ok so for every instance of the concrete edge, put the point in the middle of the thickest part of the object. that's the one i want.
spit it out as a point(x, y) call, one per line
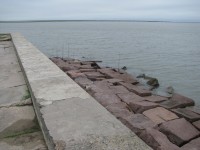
point(47, 137)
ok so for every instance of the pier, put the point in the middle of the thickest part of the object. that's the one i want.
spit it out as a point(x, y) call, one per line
point(68, 116)
point(77, 105)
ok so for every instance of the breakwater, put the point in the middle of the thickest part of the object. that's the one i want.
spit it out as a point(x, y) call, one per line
point(162, 122)
point(69, 117)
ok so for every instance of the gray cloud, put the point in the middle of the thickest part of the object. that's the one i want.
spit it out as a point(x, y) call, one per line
point(170, 10)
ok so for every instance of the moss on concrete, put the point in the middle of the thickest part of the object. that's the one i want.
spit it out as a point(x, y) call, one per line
point(27, 95)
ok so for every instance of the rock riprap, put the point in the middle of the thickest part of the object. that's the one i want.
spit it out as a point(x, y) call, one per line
point(158, 120)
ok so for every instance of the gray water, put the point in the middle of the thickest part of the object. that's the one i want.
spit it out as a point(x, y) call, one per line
point(167, 51)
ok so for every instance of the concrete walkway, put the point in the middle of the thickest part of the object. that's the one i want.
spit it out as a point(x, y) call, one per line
point(69, 117)
point(18, 128)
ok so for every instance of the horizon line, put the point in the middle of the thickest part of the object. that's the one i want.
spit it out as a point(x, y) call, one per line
point(108, 20)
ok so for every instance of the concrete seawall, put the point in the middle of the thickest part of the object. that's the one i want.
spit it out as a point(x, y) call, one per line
point(68, 116)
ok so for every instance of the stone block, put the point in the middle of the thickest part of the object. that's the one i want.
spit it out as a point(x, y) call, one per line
point(92, 89)
point(68, 67)
point(114, 80)
point(194, 109)
point(103, 85)
point(87, 70)
point(93, 75)
point(192, 145)
point(75, 74)
point(155, 98)
point(159, 115)
point(83, 81)
point(135, 89)
point(179, 131)
point(177, 101)
point(16, 119)
point(119, 111)
point(126, 78)
point(109, 72)
point(187, 114)
point(130, 97)
point(138, 123)
point(106, 99)
point(141, 106)
point(86, 67)
point(118, 89)
point(157, 140)
point(197, 124)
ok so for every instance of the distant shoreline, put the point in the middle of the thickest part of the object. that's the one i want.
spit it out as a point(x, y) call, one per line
point(32, 21)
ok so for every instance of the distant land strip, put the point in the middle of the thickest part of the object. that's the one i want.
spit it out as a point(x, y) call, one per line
point(30, 21)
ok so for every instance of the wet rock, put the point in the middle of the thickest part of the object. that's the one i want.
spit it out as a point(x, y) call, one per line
point(124, 68)
point(138, 123)
point(155, 98)
point(162, 93)
point(16, 119)
point(106, 99)
point(141, 76)
point(153, 82)
point(135, 89)
point(130, 97)
point(159, 115)
point(187, 114)
point(192, 145)
point(197, 124)
point(179, 131)
point(177, 101)
point(157, 140)
point(194, 109)
point(170, 90)
point(139, 107)
point(118, 89)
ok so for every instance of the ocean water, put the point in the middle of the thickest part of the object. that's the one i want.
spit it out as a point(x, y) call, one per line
point(167, 51)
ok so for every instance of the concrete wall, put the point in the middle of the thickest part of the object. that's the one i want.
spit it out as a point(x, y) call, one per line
point(69, 117)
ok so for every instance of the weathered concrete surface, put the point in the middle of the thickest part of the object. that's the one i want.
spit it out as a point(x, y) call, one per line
point(16, 119)
point(12, 95)
point(19, 129)
point(31, 141)
point(68, 115)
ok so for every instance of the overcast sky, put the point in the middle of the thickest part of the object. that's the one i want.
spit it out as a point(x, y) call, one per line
point(162, 10)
